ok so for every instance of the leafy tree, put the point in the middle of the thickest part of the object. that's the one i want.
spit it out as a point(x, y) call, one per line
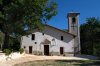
point(19, 14)
point(89, 35)
point(14, 43)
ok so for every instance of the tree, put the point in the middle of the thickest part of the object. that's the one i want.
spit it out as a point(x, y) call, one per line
point(89, 35)
point(15, 16)
point(1, 37)
point(14, 42)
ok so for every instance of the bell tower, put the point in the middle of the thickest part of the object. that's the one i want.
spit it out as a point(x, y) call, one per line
point(73, 27)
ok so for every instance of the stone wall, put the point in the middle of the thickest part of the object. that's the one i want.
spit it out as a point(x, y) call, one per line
point(13, 55)
point(2, 57)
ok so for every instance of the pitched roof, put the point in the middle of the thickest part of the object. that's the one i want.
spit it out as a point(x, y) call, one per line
point(57, 29)
point(61, 30)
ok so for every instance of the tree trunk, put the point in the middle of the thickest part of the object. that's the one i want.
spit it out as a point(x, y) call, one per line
point(92, 47)
point(6, 42)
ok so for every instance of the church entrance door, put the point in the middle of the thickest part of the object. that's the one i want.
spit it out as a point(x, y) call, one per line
point(61, 50)
point(46, 49)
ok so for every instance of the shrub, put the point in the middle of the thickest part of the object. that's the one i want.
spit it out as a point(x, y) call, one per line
point(41, 53)
point(50, 54)
point(38, 52)
point(7, 51)
point(21, 50)
point(96, 49)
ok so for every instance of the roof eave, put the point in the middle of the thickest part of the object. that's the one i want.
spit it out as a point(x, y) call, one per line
point(55, 28)
point(72, 14)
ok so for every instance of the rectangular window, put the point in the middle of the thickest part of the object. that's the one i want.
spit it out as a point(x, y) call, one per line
point(33, 36)
point(61, 37)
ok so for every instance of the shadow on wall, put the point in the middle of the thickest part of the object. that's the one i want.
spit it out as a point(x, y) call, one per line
point(76, 49)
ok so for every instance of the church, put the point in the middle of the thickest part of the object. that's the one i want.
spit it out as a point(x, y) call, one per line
point(54, 40)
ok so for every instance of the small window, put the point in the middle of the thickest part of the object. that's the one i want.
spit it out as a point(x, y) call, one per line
point(73, 19)
point(33, 36)
point(24, 47)
point(42, 33)
point(61, 37)
point(35, 42)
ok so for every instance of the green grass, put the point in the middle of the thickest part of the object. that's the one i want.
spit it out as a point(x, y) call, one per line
point(61, 63)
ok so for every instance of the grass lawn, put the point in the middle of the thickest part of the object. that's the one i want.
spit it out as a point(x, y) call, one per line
point(61, 63)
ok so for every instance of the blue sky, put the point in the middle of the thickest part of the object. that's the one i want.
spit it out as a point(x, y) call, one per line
point(86, 8)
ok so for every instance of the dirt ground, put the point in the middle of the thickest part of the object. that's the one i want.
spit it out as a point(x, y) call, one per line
point(61, 63)
point(28, 57)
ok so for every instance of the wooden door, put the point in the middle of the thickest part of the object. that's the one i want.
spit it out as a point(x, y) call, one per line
point(46, 49)
point(61, 50)
point(30, 49)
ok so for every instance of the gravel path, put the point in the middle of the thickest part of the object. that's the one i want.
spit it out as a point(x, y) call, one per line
point(28, 57)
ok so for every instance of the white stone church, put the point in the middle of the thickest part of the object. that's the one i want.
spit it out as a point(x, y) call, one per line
point(54, 40)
